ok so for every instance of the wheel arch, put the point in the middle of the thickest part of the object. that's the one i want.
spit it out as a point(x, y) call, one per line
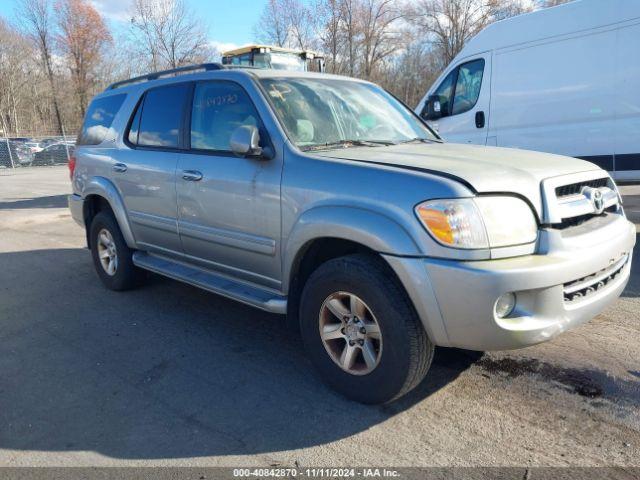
point(99, 195)
point(330, 232)
point(370, 230)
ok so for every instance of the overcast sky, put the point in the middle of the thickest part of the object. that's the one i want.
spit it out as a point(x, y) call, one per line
point(229, 21)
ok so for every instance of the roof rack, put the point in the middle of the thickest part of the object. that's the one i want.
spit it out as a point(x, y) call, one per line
point(165, 73)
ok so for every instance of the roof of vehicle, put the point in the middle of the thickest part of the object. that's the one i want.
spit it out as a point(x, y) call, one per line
point(195, 73)
point(572, 17)
point(249, 48)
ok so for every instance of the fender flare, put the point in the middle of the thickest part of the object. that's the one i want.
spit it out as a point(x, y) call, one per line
point(372, 229)
point(106, 189)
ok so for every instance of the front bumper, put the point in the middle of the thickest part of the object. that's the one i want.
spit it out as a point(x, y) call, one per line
point(455, 299)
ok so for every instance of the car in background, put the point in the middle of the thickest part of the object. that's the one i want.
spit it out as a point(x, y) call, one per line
point(23, 155)
point(33, 146)
point(54, 154)
point(48, 141)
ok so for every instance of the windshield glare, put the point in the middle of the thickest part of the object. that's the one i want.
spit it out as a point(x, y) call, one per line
point(322, 112)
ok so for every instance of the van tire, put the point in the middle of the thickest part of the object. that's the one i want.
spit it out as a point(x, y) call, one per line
point(405, 351)
point(126, 275)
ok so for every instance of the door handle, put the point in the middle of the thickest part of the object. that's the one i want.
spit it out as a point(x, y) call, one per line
point(191, 175)
point(479, 119)
point(119, 167)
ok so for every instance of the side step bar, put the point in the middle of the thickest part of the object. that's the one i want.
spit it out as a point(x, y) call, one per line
point(241, 292)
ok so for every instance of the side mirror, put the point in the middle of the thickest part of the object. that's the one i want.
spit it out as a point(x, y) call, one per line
point(432, 108)
point(245, 141)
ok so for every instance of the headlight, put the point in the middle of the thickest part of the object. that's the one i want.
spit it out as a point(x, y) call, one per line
point(481, 222)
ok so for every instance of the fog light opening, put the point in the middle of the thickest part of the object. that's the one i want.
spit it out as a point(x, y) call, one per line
point(505, 305)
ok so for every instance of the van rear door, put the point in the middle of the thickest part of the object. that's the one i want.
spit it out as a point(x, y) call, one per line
point(464, 94)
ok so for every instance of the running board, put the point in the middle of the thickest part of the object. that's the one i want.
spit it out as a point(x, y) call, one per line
point(241, 292)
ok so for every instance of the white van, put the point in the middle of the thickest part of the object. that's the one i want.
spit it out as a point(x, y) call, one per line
point(563, 80)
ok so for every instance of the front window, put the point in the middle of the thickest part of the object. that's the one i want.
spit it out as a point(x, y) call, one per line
point(444, 92)
point(320, 113)
point(219, 108)
point(468, 86)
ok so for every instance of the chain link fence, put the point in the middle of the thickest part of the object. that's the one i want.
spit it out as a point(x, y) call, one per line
point(36, 150)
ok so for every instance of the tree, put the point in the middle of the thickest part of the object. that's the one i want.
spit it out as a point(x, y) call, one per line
point(12, 53)
point(36, 18)
point(377, 29)
point(286, 23)
point(170, 33)
point(82, 39)
point(451, 23)
point(302, 24)
point(330, 32)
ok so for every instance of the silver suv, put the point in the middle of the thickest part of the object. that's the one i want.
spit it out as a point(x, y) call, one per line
point(326, 199)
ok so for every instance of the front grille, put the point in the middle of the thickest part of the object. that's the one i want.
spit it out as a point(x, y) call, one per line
point(586, 286)
point(576, 188)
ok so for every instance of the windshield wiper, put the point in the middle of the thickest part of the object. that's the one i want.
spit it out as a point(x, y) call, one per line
point(416, 139)
point(347, 144)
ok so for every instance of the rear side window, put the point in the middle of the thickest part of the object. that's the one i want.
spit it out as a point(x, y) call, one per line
point(98, 120)
point(158, 117)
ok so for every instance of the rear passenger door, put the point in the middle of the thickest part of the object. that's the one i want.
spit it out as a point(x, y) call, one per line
point(228, 206)
point(145, 173)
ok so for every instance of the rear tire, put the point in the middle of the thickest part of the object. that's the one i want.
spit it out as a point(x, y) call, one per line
point(381, 369)
point(112, 258)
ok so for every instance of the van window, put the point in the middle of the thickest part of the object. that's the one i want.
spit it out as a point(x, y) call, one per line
point(468, 86)
point(98, 120)
point(218, 109)
point(445, 92)
point(161, 116)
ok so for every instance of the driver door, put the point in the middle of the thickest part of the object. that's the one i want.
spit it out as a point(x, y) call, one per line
point(464, 96)
point(228, 206)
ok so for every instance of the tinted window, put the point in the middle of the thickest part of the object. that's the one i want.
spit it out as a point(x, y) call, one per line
point(218, 109)
point(162, 115)
point(468, 86)
point(97, 122)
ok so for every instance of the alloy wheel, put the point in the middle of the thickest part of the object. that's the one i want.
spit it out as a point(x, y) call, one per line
point(350, 333)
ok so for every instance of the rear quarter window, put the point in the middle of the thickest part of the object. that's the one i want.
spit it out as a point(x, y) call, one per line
point(98, 120)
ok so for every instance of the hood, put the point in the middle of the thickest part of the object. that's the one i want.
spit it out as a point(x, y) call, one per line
point(482, 169)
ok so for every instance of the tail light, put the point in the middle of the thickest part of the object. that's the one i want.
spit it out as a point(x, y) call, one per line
point(72, 166)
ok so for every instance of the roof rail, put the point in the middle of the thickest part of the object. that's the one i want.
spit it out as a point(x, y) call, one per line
point(164, 73)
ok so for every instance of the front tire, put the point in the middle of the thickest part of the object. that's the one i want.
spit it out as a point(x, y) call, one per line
point(112, 258)
point(361, 331)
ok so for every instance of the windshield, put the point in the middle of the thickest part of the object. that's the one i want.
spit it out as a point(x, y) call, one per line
point(319, 113)
point(280, 61)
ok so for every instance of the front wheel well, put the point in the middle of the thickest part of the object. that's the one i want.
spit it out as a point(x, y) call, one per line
point(311, 256)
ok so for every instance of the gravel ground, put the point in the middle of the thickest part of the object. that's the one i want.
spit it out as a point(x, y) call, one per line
point(171, 375)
